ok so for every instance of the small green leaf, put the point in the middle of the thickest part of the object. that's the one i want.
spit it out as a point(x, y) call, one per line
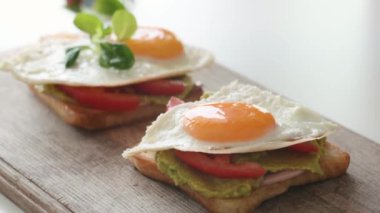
point(107, 31)
point(124, 24)
point(108, 7)
point(72, 55)
point(118, 56)
point(88, 23)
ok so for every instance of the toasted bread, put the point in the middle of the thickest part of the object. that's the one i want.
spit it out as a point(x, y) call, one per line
point(87, 118)
point(333, 163)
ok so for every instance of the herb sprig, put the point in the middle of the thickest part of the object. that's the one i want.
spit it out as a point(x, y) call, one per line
point(104, 7)
point(108, 7)
point(117, 55)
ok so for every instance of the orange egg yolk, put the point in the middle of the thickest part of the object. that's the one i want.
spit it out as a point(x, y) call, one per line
point(155, 42)
point(227, 122)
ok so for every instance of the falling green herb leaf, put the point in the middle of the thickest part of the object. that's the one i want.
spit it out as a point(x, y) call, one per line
point(107, 31)
point(108, 7)
point(89, 23)
point(72, 55)
point(124, 24)
point(118, 56)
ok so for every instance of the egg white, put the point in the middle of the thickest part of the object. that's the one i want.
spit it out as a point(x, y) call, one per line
point(294, 124)
point(44, 63)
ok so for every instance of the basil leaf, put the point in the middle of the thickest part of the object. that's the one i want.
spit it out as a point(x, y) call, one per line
point(89, 23)
point(108, 7)
point(72, 55)
point(118, 56)
point(107, 31)
point(124, 24)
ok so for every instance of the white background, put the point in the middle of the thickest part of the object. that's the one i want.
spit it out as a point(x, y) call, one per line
point(323, 54)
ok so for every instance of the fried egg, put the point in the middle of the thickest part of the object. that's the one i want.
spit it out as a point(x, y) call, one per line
point(158, 54)
point(238, 118)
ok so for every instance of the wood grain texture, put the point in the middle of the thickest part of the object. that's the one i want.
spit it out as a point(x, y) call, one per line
point(46, 165)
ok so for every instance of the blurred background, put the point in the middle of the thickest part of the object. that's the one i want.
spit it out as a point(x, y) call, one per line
point(323, 54)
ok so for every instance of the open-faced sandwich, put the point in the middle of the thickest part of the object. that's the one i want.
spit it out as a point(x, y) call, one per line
point(238, 147)
point(117, 75)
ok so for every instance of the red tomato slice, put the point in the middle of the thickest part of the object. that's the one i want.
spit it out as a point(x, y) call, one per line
point(161, 87)
point(99, 98)
point(173, 102)
point(306, 147)
point(220, 165)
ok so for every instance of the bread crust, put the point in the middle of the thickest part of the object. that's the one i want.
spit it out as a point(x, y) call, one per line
point(333, 163)
point(87, 118)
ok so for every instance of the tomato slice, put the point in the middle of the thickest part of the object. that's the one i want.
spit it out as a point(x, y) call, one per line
point(220, 165)
point(99, 98)
point(161, 87)
point(306, 147)
point(173, 102)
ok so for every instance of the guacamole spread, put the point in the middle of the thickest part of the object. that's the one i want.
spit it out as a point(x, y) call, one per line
point(214, 187)
point(281, 159)
point(52, 90)
point(205, 184)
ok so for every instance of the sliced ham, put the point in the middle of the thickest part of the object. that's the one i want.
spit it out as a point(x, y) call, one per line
point(280, 176)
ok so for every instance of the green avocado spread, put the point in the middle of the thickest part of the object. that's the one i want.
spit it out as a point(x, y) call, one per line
point(213, 187)
point(281, 159)
point(52, 90)
point(207, 185)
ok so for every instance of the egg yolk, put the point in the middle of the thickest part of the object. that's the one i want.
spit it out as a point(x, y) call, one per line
point(155, 42)
point(227, 122)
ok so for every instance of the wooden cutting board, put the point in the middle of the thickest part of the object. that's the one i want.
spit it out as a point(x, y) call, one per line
point(46, 165)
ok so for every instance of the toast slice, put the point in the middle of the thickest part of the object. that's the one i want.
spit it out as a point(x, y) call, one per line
point(333, 163)
point(87, 118)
